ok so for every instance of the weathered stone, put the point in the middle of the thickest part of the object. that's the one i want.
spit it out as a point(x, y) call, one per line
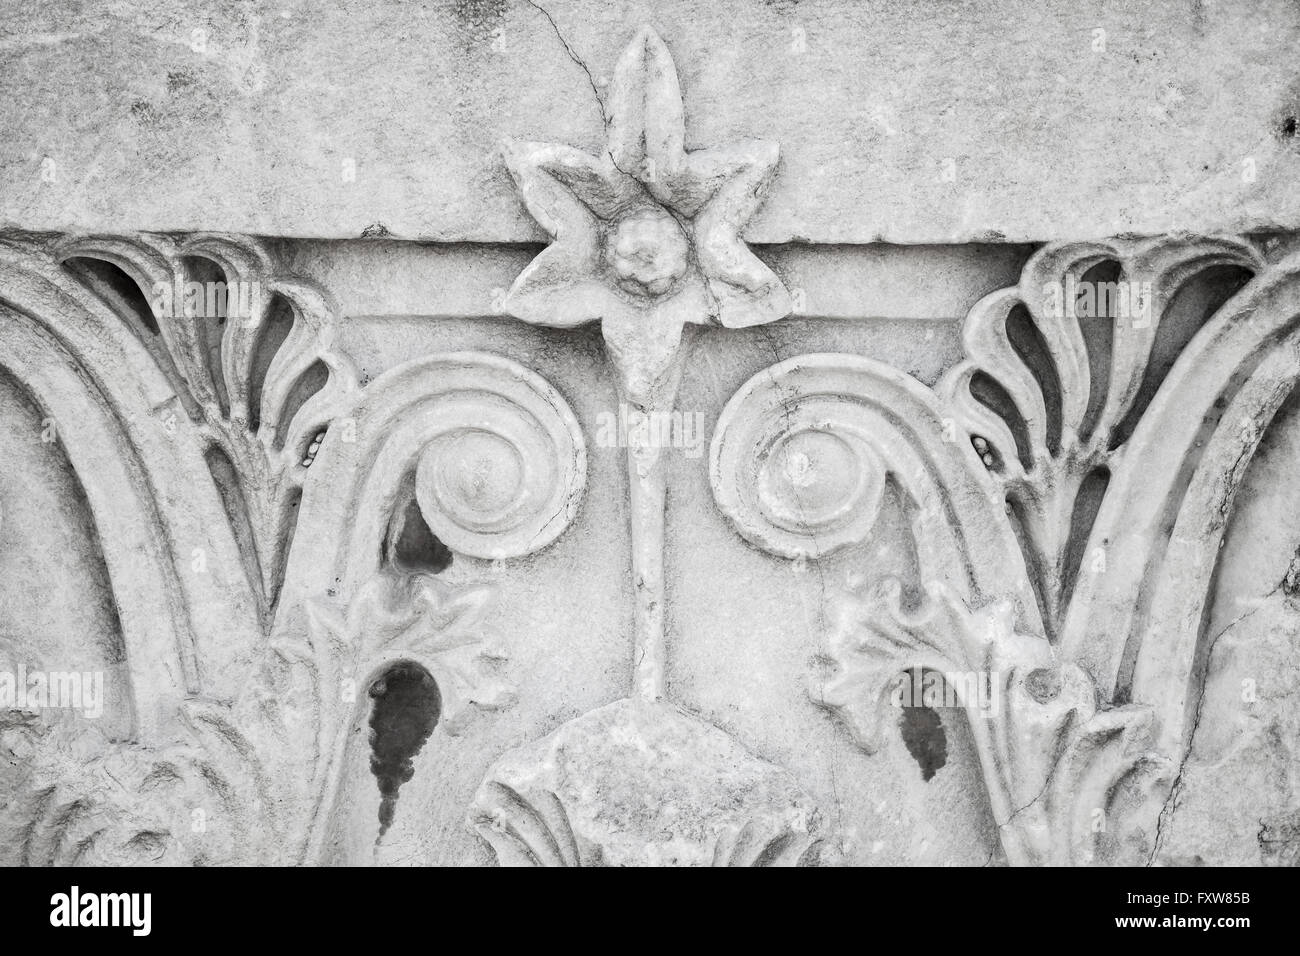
point(725, 478)
point(638, 783)
point(1009, 120)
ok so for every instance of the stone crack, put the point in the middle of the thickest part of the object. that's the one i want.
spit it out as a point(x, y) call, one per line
point(600, 103)
point(1171, 802)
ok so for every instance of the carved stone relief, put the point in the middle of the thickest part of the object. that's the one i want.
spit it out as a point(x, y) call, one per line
point(649, 547)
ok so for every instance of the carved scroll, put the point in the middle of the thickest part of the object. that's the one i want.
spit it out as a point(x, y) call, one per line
point(252, 780)
point(1097, 664)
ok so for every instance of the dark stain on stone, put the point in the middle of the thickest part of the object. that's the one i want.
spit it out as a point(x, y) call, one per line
point(407, 705)
point(143, 111)
point(925, 739)
point(479, 17)
point(179, 80)
point(1043, 684)
point(1291, 580)
point(1279, 840)
point(1286, 114)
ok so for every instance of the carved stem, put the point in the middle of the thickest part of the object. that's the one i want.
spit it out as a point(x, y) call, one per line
point(1000, 789)
point(648, 485)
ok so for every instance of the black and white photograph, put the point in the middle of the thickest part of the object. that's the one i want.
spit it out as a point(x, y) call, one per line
point(611, 433)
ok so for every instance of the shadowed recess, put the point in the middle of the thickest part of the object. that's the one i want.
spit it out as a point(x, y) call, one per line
point(990, 393)
point(226, 477)
point(128, 301)
point(308, 384)
point(1097, 325)
point(1039, 571)
point(281, 557)
point(405, 711)
point(275, 329)
point(209, 308)
point(1189, 309)
point(924, 737)
point(1086, 505)
point(412, 546)
point(1030, 345)
point(116, 288)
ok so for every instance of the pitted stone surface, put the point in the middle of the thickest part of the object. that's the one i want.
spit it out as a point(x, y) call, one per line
point(976, 122)
point(642, 784)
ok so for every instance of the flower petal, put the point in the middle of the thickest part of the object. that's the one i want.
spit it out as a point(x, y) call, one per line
point(597, 183)
point(694, 301)
point(549, 201)
point(559, 289)
point(748, 292)
point(645, 111)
